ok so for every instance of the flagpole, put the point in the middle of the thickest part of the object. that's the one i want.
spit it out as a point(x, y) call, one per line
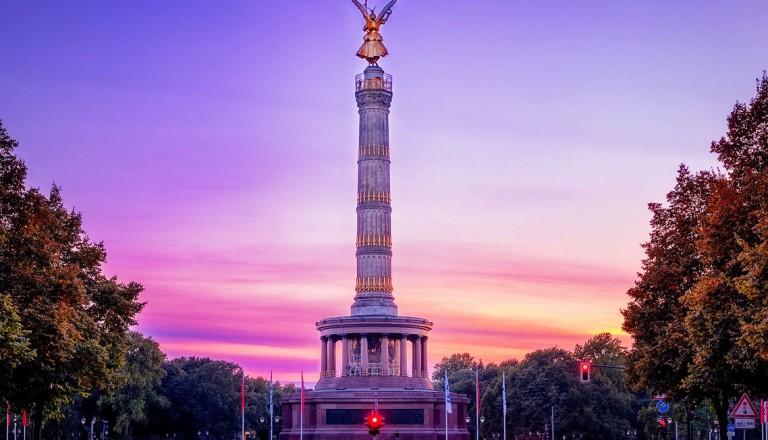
point(477, 405)
point(763, 416)
point(446, 422)
point(242, 406)
point(301, 417)
point(553, 422)
point(504, 401)
point(447, 403)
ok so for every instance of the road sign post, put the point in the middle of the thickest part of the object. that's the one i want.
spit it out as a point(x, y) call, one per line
point(744, 409)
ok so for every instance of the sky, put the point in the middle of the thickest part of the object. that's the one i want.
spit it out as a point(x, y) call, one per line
point(212, 147)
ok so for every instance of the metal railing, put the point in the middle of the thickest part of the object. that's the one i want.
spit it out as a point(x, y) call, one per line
point(376, 370)
point(384, 83)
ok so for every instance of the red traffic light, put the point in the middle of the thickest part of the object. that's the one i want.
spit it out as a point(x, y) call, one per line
point(662, 422)
point(374, 422)
point(585, 369)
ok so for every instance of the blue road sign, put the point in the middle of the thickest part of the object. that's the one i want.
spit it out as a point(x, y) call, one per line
point(731, 428)
point(662, 406)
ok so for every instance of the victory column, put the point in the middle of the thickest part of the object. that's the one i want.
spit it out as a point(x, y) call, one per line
point(383, 356)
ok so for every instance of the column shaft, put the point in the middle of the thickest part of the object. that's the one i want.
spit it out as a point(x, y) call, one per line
point(364, 354)
point(417, 357)
point(323, 356)
point(424, 364)
point(403, 356)
point(384, 355)
point(344, 356)
point(373, 284)
point(331, 357)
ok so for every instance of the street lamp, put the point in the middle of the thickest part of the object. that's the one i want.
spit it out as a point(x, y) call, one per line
point(477, 428)
point(263, 420)
point(90, 431)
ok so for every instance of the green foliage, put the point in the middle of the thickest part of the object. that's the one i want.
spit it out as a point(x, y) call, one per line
point(67, 321)
point(14, 342)
point(698, 312)
point(459, 367)
point(204, 395)
point(602, 409)
point(139, 394)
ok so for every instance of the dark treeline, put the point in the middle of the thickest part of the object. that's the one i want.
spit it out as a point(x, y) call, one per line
point(183, 398)
point(199, 398)
point(547, 381)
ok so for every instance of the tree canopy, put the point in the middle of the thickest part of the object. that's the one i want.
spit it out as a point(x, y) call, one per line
point(545, 379)
point(65, 323)
point(698, 312)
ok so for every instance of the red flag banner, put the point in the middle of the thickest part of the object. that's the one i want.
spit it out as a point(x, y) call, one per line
point(24, 418)
point(302, 391)
point(764, 411)
point(242, 393)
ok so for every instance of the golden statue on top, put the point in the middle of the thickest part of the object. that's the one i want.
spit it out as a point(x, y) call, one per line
point(373, 48)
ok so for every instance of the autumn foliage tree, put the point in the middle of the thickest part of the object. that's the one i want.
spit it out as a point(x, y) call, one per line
point(698, 312)
point(65, 324)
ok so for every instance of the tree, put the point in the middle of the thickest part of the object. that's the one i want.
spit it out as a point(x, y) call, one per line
point(728, 307)
point(14, 343)
point(698, 312)
point(14, 338)
point(204, 395)
point(461, 377)
point(75, 319)
point(608, 389)
point(662, 351)
point(142, 375)
point(602, 409)
point(457, 363)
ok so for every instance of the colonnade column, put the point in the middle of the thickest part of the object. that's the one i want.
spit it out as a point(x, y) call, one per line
point(403, 356)
point(323, 356)
point(424, 364)
point(384, 355)
point(344, 355)
point(331, 357)
point(364, 354)
point(417, 357)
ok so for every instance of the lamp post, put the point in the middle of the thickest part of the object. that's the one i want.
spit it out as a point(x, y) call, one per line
point(277, 420)
point(477, 427)
point(263, 421)
point(468, 419)
point(90, 431)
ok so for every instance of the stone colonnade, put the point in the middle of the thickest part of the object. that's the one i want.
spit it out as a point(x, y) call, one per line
point(374, 355)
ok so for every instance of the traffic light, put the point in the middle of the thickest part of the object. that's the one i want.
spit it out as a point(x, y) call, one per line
point(585, 370)
point(374, 423)
point(662, 422)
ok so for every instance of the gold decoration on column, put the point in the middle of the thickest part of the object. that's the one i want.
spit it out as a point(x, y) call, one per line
point(377, 283)
point(374, 240)
point(373, 150)
point(374, 196)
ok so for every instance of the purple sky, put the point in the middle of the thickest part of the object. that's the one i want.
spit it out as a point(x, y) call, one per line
point(212, 147)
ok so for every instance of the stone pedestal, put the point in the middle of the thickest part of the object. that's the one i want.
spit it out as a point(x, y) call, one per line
point(339, 415)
